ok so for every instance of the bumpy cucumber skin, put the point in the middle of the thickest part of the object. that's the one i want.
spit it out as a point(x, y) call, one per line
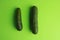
point(18, 20)
point(34, 19)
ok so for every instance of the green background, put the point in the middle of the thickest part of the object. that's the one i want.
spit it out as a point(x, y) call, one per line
point(48, 20)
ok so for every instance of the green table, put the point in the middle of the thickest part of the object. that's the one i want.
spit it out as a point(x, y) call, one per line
point(48, 20)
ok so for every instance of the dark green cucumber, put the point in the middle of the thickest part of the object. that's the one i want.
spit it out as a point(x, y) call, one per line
point(18, 20)
point(34, 19)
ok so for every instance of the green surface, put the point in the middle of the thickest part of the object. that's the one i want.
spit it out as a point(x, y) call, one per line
point(48, 20)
